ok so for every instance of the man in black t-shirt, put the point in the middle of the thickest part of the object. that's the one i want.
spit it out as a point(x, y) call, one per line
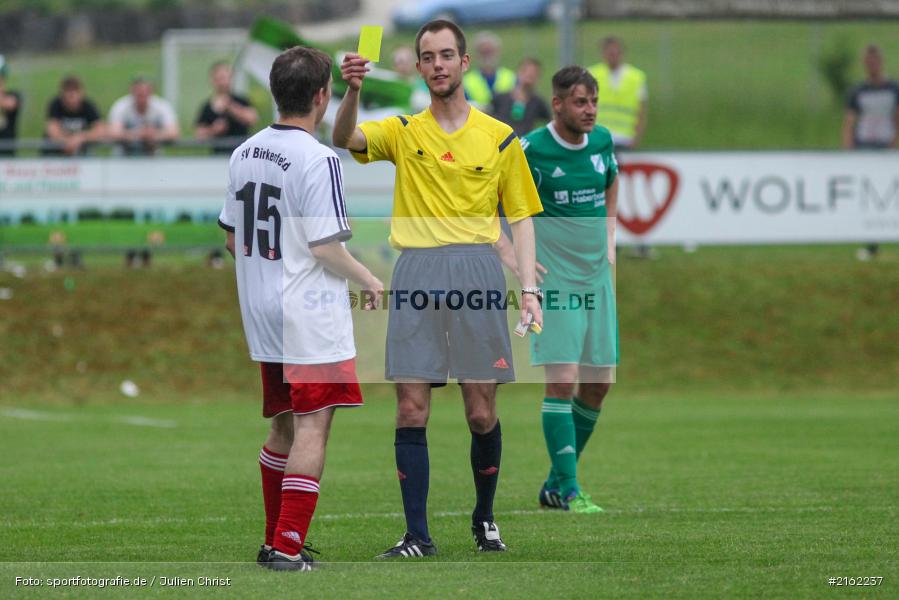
point(522, 108)
point(871, 121)
point(224, 115)
point(872, 110)
point(10, 102)
point(72, 120)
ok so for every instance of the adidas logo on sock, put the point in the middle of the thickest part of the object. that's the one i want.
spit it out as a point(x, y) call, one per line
point(293, 535)
point(567, 450)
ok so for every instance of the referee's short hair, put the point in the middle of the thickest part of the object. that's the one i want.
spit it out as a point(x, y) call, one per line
point(567, 77)
point(439, 25)
point(296, 75)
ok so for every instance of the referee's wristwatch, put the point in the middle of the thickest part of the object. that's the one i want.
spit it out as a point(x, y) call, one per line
point(535, 291)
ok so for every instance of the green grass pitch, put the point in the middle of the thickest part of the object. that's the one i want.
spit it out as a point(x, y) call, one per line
point(748, 449)
point(746, 495)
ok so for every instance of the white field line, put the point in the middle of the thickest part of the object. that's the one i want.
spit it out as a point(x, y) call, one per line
point(32, 415)
point(36, 415)
point(398, 515)
point(146, 422)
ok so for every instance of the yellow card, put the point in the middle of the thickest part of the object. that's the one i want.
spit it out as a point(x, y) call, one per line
point(370, 42)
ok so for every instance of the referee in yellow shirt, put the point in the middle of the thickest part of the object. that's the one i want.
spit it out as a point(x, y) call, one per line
point(454, 166)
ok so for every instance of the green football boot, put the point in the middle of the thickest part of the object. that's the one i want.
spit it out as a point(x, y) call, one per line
point(582, 503)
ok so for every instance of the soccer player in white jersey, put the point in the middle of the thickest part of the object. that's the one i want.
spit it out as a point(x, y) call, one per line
point(286, 225)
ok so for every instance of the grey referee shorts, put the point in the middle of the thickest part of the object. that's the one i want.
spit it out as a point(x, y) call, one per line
point(447, 316)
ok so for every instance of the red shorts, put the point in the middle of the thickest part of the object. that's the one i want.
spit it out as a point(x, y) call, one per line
point(306, 389)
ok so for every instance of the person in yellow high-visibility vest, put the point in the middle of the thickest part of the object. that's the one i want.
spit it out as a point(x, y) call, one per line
point(489, 78)
point(622, 95)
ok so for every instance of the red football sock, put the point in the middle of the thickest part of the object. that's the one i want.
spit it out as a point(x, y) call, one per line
point(272, 466)
point(299, 494)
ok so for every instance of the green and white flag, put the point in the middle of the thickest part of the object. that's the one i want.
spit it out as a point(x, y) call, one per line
point(383, 89)
point(267, 39)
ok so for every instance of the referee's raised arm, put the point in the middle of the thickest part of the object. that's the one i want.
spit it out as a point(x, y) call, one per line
point(346, 134)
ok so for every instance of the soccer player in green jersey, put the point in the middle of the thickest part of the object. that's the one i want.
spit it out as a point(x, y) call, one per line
point(573, 164)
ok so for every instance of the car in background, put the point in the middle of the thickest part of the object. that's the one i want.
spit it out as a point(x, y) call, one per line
point(412, 14)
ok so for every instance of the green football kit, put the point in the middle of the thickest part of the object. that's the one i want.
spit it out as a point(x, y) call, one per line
point(580, 323)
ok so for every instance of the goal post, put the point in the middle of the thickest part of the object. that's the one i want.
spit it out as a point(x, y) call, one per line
point(187, 55)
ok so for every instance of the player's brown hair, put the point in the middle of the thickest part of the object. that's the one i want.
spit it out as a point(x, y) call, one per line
point(296, 76)
point(70, 82)
point(439, 25)
point(567, 77)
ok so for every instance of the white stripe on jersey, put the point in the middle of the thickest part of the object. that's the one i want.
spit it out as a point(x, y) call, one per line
point(337, 191)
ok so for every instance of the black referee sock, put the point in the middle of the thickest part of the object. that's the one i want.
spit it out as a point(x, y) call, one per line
point(486, 450)
point(413, 469)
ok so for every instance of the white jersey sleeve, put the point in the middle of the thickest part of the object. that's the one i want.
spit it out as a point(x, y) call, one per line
point(228, 221)
point(321, 202)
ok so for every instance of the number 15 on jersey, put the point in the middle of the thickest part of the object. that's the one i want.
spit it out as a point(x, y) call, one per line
point(268, 238)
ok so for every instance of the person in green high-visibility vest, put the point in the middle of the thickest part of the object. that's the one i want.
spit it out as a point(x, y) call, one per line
point(623, 95)
point(489, 77)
